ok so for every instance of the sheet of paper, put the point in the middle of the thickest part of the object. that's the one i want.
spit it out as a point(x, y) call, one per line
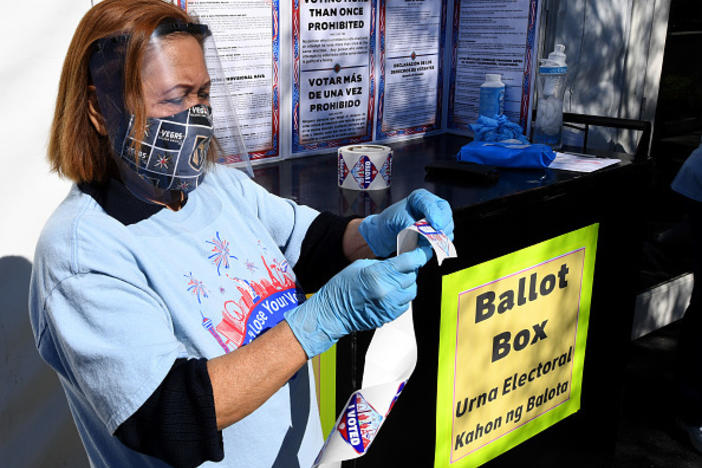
point(493, 37)
point(411, 48)
point(248, 50)
point(334, 46)
point(390, 361)
point(580, 163)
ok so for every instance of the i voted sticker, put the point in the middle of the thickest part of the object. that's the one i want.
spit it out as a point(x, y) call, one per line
point(438, 240)
point(359, 424)
point(364, 172)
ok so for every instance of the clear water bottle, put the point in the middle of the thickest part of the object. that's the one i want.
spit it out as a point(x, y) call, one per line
point(492, 96)
point(551, 87)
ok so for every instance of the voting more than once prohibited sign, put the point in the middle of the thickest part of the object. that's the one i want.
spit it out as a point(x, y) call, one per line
point(512, 346)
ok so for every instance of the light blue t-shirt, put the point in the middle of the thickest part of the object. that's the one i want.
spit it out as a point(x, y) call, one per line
point(688, 181)
point(113, 306)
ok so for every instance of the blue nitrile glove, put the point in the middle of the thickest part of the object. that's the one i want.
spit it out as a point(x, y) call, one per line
point(499, 129)
point(380, 231)
point(503, 154)
point(362, 296)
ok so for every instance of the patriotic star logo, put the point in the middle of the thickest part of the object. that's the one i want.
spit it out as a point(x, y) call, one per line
point(162, 161)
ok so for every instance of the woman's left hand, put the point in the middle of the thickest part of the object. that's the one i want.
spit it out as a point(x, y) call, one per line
point(380, 231)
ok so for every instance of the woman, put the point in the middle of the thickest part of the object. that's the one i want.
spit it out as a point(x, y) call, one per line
point(165, 289)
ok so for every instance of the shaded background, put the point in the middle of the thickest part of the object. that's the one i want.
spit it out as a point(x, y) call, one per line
point(617, 68)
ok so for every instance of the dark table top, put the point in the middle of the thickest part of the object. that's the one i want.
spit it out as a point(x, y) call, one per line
point(312, 180)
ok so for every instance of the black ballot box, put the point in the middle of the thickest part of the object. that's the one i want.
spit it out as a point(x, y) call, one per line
point(493, 218)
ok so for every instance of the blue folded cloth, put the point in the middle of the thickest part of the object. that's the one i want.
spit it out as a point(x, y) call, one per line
point(499, 129)
point(505, 154)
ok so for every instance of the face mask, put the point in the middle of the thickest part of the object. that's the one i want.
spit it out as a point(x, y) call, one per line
point(173, 153)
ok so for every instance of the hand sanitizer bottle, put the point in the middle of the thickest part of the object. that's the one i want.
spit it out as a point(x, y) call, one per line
point(492, 96)
point(551, 86)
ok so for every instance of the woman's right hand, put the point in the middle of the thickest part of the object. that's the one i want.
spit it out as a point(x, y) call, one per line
point(362, 296)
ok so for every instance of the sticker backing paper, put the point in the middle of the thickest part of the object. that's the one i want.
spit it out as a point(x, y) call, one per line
point(389, 363)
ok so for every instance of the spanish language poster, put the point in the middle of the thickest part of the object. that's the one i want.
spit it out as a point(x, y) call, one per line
point(411, 55)
point(308, 76)
point(333, 72)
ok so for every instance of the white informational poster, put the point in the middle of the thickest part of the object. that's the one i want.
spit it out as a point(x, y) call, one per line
point(411, 51)
point(246, 34)
point(333, 76)
point(428, 59)
point(492, 37)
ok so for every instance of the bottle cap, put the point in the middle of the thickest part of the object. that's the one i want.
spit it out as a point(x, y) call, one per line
point(492, 77)
point(558, 56)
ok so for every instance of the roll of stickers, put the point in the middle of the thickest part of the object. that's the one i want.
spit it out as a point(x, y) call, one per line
point(364, 167)
point(390, 361)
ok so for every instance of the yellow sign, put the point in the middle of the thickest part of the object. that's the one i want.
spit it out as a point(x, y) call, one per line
point(512, 346)
point(324, 368)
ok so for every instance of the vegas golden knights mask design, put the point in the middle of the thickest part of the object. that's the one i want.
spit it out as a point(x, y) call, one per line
point(173, 153)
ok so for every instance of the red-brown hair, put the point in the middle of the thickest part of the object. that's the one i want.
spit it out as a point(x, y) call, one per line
point(76, 149)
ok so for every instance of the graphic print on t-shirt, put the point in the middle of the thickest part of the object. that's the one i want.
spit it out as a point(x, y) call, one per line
point(220, 252)
point(254, 296)
point(196, 287)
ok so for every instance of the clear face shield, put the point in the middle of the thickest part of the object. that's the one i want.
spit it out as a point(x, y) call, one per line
point(184, 119)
